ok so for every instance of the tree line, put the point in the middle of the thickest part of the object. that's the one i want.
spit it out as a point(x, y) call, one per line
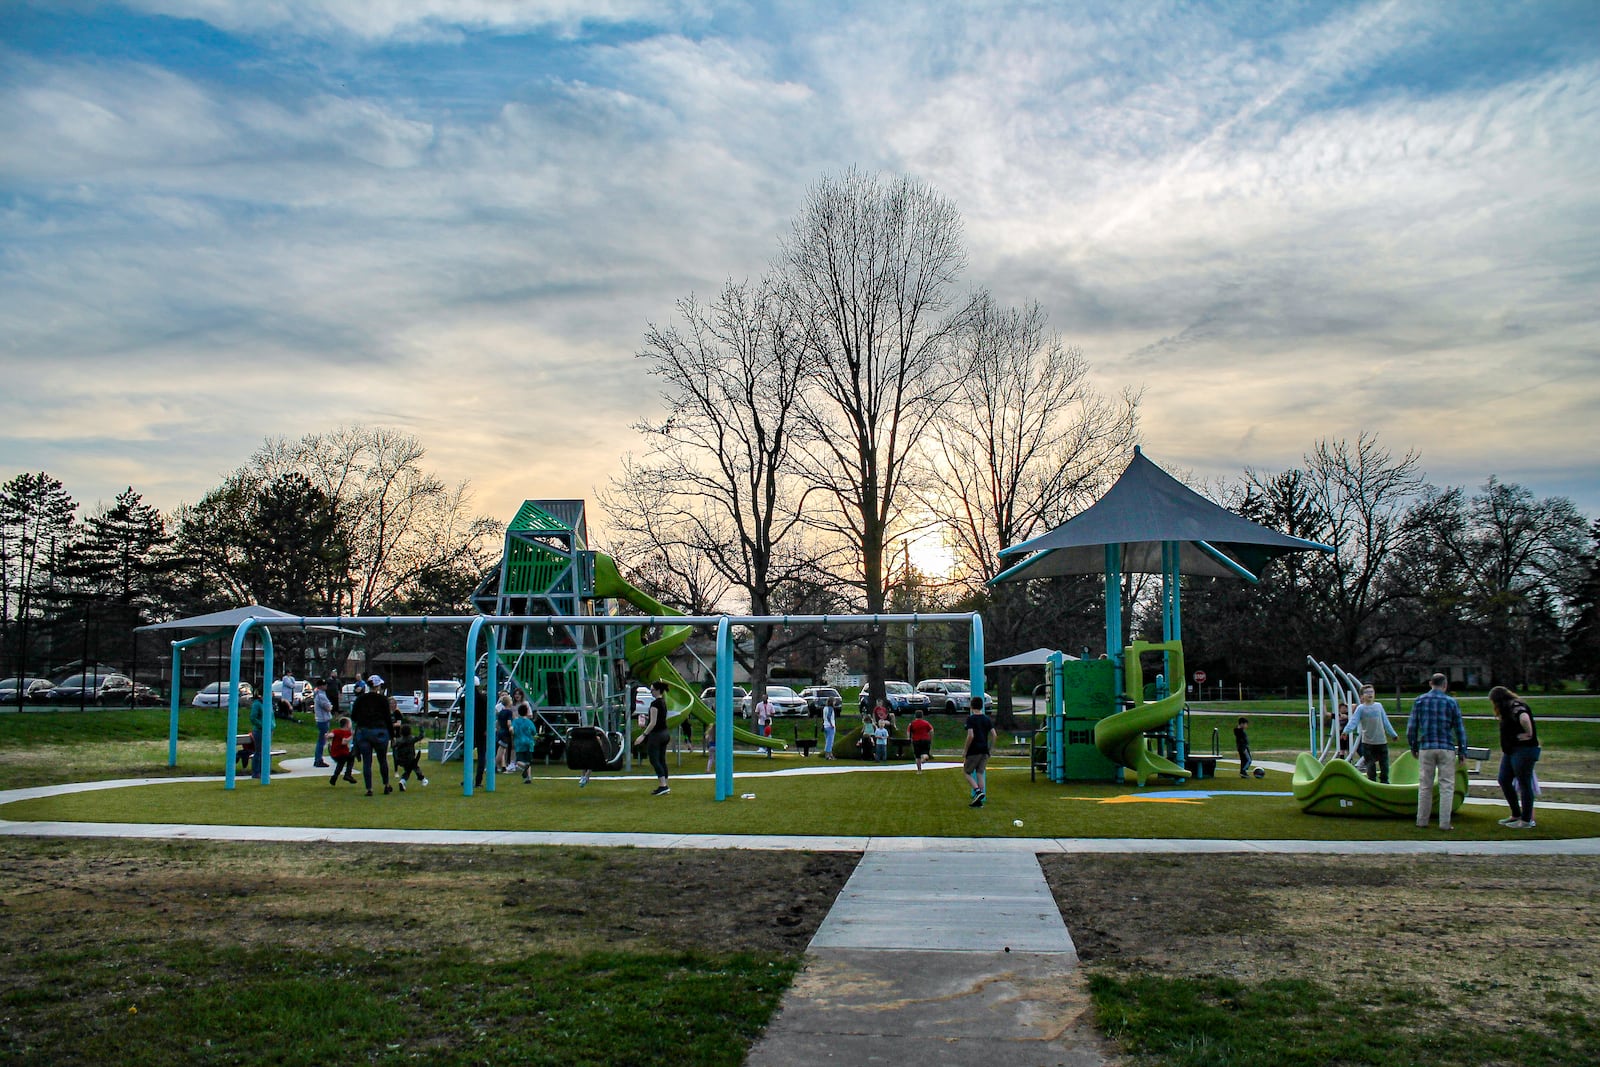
point(347, 522)
point(854, 398)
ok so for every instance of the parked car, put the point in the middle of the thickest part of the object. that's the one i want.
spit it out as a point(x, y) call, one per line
point(950, 694)
point(443, 694)
point(215, 695)
point(785, 701)
point(741, 696)
point(33, 689)
point(898, 696)
point(817, 696)
point(105, 689)
point(412, 703)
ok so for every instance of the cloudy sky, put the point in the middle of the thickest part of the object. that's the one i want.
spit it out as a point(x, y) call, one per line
point(1284, 221)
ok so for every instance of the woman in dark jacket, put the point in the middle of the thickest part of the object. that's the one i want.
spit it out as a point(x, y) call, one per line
point(1519, 747)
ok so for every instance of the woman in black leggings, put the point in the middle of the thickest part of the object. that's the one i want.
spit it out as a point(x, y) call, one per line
point(656, 736)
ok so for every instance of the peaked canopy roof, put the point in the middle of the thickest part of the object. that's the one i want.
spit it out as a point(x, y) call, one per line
point(1146, 507)
point(1037, 658)
point(229, 619)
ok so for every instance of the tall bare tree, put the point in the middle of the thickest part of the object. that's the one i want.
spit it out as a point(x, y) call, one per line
point(718, 480)
point(869, 265)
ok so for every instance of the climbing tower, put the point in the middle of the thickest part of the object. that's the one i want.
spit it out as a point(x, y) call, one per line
point(548, 569)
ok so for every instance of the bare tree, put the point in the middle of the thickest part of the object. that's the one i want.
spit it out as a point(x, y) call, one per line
point(718, 480)
point(869, 266)
point(1025, 441)
point(402, 522)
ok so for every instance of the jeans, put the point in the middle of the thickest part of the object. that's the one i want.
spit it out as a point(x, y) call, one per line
point(1377, 757)
point(322, 740)
point(370, 740)
point(827, 740)
point(1440, 762)
point(1516, 781)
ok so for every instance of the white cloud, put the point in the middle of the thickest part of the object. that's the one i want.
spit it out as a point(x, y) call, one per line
point(409, 19)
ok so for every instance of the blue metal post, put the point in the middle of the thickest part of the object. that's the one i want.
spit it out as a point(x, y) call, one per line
point(469, 702)
point(975, 655)
point(1056, 725)
point(239, 634)
point(1114, 609)
point(172, 720)
point(724, 710)
point(264, 694)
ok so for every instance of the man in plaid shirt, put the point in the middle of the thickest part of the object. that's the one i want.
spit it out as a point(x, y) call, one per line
point(1438, 738)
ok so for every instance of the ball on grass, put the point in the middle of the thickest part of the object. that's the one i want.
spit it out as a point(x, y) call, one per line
point(1016, 822)
point(1259, 772)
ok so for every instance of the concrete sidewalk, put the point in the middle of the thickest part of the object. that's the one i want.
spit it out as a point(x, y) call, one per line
point(937, 957)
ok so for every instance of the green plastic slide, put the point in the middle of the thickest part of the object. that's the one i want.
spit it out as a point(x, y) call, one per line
point(649, 663)
point(1120, 737)
point(1337, 788)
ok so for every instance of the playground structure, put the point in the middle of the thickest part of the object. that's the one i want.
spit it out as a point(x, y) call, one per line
point(570, 658)
point(1150, 523)
point(1325, 782)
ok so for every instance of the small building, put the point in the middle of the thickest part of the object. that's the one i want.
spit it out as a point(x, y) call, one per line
point(407, 672)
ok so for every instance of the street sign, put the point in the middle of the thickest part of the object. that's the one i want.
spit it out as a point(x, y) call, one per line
point(1199, 677)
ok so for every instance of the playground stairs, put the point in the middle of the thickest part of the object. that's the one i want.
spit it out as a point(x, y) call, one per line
point(937, 957)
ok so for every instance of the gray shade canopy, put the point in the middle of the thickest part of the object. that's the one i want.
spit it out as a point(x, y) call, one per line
point(1146, 507)
point(230, 619)
point(1037, 658)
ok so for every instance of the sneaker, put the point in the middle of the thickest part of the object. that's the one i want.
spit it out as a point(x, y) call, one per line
point(1522, 824)
point(661, 791)
point(369, 792)
point(977, 802)
point(1511, 820)
point(526, 780)
point(402, 785)
point(982, 796)
point(388, 789)
point(334, 780)
point(424, 783)
point(350, 778)
point(583, 781)
point(322, 763)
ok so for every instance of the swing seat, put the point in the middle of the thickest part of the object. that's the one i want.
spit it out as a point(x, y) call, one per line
point(589, 749)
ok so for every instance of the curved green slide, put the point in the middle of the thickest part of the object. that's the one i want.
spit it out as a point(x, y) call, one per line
point(1120, 737)
point(648, 662)
point(1337, 788)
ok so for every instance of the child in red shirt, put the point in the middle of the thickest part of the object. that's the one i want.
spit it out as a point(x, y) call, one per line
point(921, 733)
point(344, 757)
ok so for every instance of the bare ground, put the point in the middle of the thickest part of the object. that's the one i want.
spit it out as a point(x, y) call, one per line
point(1496, 939)
point(490, 901)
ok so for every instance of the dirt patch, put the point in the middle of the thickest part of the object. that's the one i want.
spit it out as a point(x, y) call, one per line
point(57, 895)
point(1478, 933)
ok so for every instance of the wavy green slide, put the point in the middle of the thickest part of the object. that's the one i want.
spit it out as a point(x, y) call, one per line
point(649, 663)
point(1120, 737)
point(1337, 788)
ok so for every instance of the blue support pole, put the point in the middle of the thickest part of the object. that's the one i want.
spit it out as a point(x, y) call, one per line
point(239, 634)
point(469, 702)
point(172, 719)
point(724, 710)
point(975, 655)
point(264, 694)
point(1114, 610)
point(1056, 725)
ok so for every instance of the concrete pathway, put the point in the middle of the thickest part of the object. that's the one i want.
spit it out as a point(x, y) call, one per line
point(937, 957)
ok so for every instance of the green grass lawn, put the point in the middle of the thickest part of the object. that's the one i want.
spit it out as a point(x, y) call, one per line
point(865, 802)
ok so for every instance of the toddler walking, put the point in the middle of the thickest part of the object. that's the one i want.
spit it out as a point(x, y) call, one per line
point(406, 760)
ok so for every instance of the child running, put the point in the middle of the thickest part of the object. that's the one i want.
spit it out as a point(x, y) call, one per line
point(975, 753)
point(406, 760)
point(344, 757)
point(921, 733)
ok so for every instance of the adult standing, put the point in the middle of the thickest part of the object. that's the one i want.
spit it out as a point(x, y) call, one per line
point(1519, 751)
point(829, 726)
point(335, 691)
point(975, 753)
point(370, 715)
point(480, 735)
point(655, 737)
point(1438, 738)
point(1370, 723)
point(288, 692)
point(322, 711)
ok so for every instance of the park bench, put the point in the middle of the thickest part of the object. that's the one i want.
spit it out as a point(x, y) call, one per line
point(245, 747)
point(805, 745)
